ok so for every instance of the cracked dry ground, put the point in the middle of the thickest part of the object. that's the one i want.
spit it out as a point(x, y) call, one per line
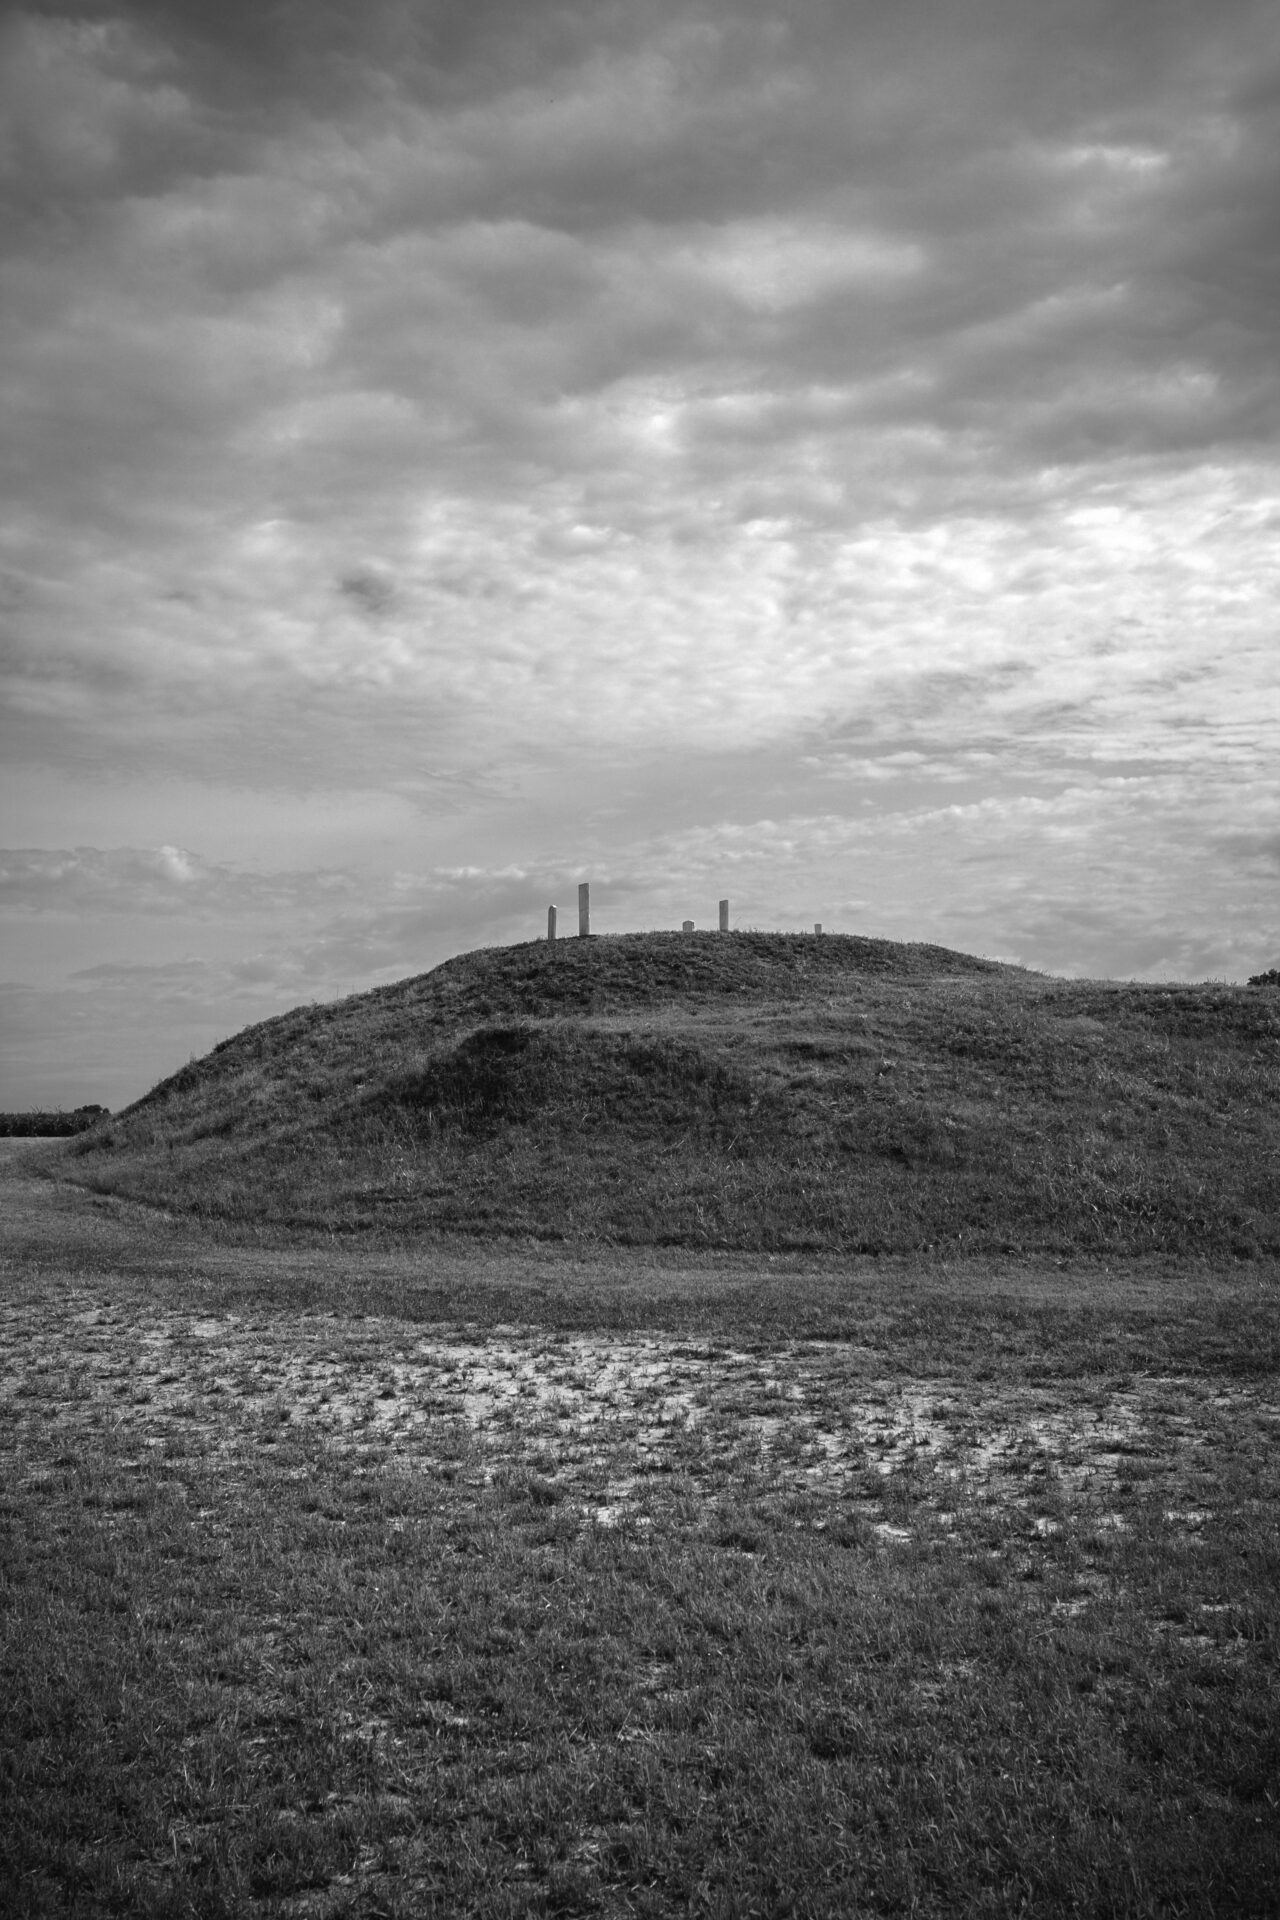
point(620, 1429)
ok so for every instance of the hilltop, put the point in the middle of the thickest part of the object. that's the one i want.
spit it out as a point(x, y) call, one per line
point(747, 1090)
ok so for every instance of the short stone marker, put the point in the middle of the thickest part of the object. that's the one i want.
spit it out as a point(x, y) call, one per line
point(724, 916)
point(686, 926)
point(584, 909)
point(817, 926)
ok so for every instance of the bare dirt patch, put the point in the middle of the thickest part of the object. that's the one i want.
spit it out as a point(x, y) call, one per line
point(608, 1421)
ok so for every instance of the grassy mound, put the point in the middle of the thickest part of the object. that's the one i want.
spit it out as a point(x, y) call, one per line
point(745, 1090)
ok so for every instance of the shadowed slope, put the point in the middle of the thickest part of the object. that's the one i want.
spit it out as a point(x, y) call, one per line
point(754, 1090)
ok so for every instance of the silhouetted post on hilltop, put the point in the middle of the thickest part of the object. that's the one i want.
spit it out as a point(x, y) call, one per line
point(551, 923)
point(686, 926)
point(584, 909)
point(724, 916)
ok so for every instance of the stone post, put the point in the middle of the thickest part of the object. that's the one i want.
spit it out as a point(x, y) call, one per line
point(551, 923)
point(584, 909)
point(724, 916)
point(817, 926)
point(686, 926)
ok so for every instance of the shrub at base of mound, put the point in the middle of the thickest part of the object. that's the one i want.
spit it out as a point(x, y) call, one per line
point(45, 1125)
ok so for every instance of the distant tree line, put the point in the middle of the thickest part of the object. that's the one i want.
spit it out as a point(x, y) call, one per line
point(1271, 978)
point(26, 1125)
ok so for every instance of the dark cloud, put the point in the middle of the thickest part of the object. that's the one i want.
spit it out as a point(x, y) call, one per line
point(372, 592)
point(1256, 851)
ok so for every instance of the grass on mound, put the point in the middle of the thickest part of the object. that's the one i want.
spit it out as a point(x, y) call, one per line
point(753, 1091)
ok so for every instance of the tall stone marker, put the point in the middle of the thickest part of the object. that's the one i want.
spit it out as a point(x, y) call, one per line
point(551, 923)
point(724, 916)
point(584, 909)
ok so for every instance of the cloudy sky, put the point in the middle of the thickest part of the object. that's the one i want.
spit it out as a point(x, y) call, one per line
point(819, 453)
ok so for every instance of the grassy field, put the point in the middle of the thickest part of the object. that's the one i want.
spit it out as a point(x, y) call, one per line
point(515, 1578)
point(755, 1091)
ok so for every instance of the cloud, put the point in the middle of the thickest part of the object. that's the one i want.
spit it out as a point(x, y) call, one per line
point(153, 880)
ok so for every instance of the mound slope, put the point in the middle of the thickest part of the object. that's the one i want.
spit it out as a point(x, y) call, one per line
point(747, 1090)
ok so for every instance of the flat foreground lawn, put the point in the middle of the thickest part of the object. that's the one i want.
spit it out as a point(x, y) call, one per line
point(510, 1582)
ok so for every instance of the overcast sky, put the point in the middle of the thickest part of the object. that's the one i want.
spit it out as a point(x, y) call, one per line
point(823, 454)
